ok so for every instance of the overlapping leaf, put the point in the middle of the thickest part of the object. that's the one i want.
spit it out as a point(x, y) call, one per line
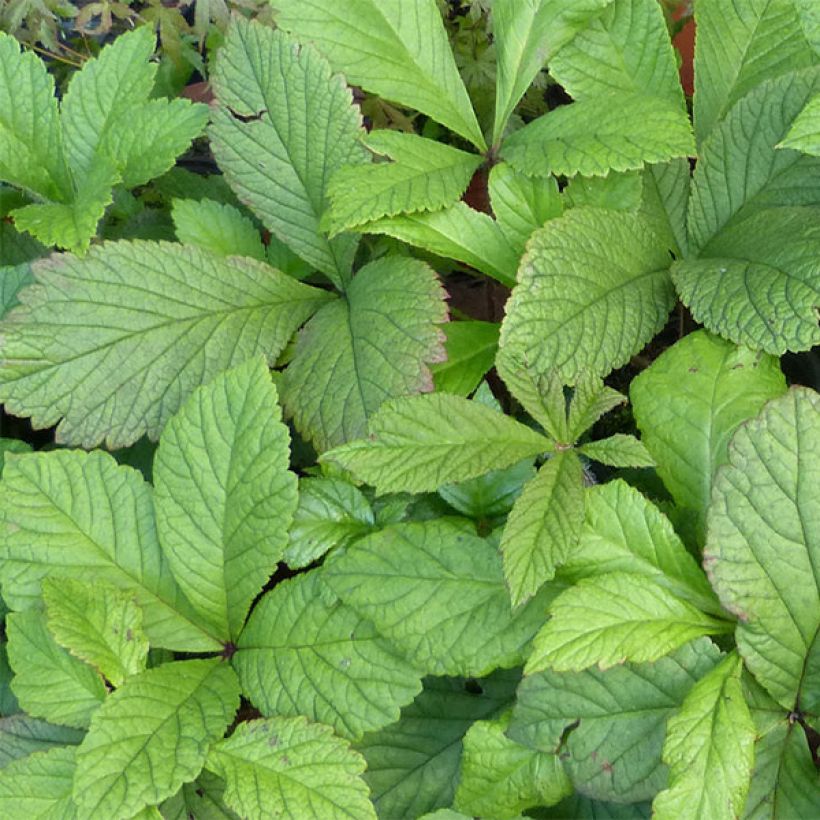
point(804, 134)
point(216, 227)
point(21, 735)
point(470, 348)
point(39, 786)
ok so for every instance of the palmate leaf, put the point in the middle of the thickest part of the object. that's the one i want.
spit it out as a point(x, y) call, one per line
point(291, 768)
point(115, 342)
point(593, 289)
point(224, 495)
point(302, 654)
point(373, 345)
point(424, 175)
point(709, 748)
point(60, 512)
point(39, 786)
point(278, 102)
point(437, 593)
point(397, 50)
point(763, 541)
point(689, 403)
point(216, 227)
point(610, 726)
point(419, 443)
point(172, 712)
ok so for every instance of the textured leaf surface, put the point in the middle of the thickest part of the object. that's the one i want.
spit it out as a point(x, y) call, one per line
point(417, 444)
point(152, 735)
point(291, 768)
point(424, 175)
point(614, 752)
point(203, 797)
point(618, 451)
point(373, 345)
point(612, 618)
point(413, 765)
point(21, 735)
point(280, 160)
point(470, 349)
point(500, 778)
point(543, 525)
point(608, 132)
point(804, 135)
point(39, 786)
point(13, 278)
point(593, 289)
point(438, 594)
point(80, 515)
point(490, 495)
point(98, 624)
point(114, 343)
point(302, 654)
point(688, 404)
point(709, 748)
point(48, 682)
point(397, 50)
point(763, 540)
point(224, 495)
point(216, 227)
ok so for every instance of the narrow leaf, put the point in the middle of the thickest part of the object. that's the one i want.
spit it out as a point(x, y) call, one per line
point(618, 451)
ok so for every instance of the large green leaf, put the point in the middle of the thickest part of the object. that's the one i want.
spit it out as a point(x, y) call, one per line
point(302, 654)
point(287, 767)
point(424, 175)
point(80, 515)
point(763, 540)
point(804, 135)
point(417, 444)
point(437, 592)
point(413, 765)
point(224, 495)
point(528, 34)
point(709, 749)
point(38, 787)
point(740, 45)
point(373, 345)
point(115, 342)
point(610, 726)
point(593, 289)
point(21, 735)
point(48, 682)
point(278, 104)
point(688, 404)
point(607, 132)
point(397, 50)
point(543, 525)
point(152, 735)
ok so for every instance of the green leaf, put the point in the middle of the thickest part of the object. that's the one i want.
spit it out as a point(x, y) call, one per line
point(400, 52)
point(529, 34)
point(490, 495)
point(203, 798)
point(216, 227)
point(666, 189)
point(48, 682)
point(171, 713)
point(809, 15)
point(763, 545)
point(543, 525)
point(617, 191)
point(740, 46)
point(224, 495)
point(21, 735)
point(591, 399)
point(8, 703)
point(500, 778)
point(16, 247)
point(12, 280)
point(98, 624)
point(457, 232)
point(288, 767)
point(331, 513)
point(59, 511)
point(470, 348)
point(593, 289)
point(709, 749)
point(11, 446)
point(756, 282)
point(624, 532)
point(301, 654)
point(690, 401)
point(373, 345)
point(618, 451)
point(521, 203)
point(608, 132)
point(115, 342)
point(610, 726)
point(413, 765)
point(437, 593)
point(416, 444)
point(31, 146)
point(278, 102)
point(39, 786)
point(617, 617)
point(424, 175)
point(804, 135)
point(584, 808)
